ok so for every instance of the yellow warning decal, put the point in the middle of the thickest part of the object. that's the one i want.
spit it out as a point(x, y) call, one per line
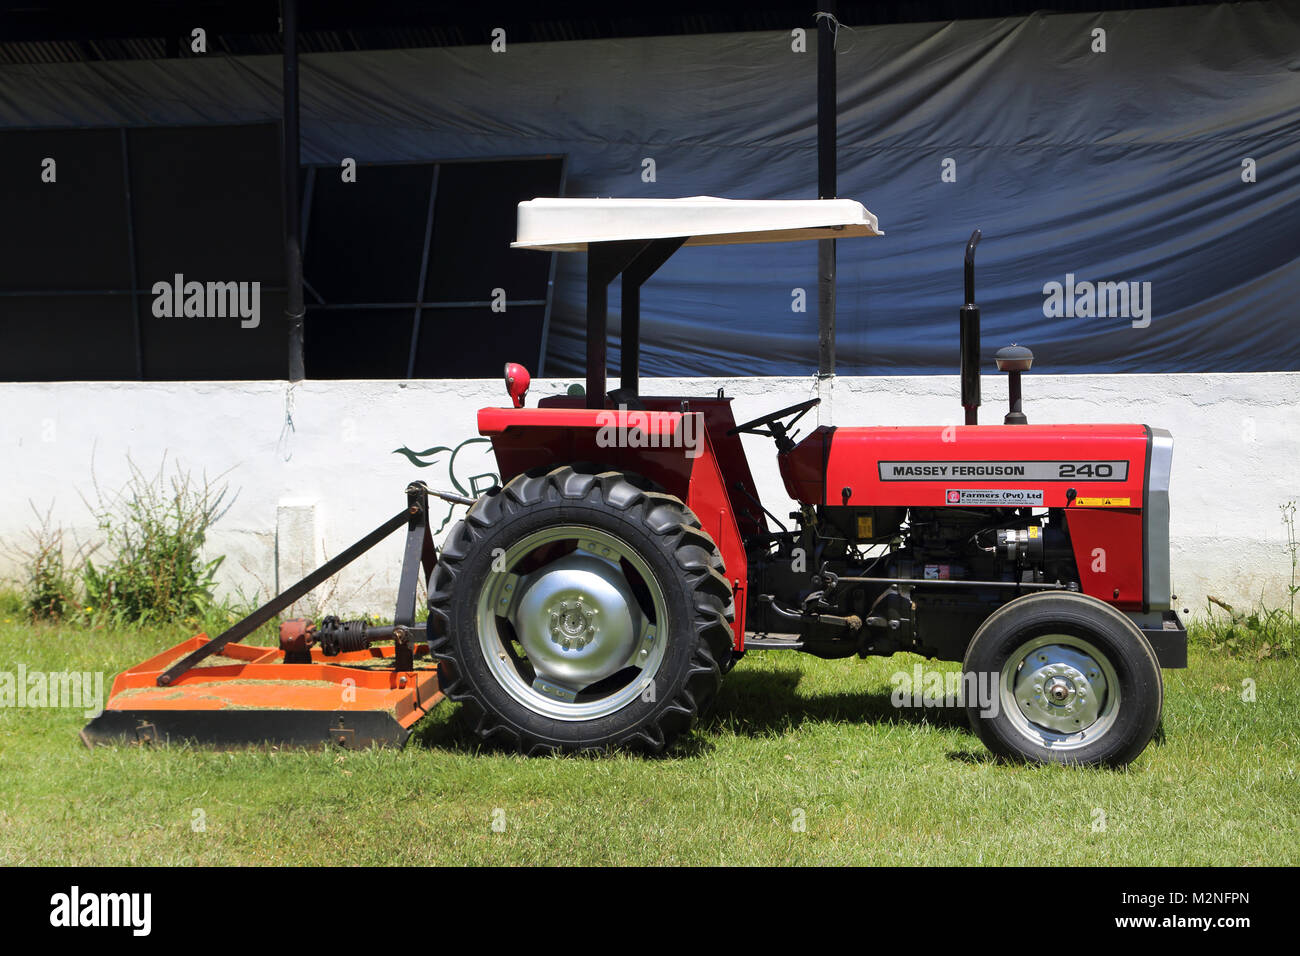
point(864, 526)
point(1102, 502)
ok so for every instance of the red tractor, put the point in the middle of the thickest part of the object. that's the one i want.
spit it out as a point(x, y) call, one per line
point(597, 598)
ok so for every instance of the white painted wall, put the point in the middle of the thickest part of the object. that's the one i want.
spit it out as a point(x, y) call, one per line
point(314, 468)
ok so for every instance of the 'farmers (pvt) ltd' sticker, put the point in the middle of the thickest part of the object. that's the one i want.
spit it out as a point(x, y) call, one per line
point(994, 496)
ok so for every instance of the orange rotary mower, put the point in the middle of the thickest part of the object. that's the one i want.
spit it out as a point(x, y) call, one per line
point(325, 683)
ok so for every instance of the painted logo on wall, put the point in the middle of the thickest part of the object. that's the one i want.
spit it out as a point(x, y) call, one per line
point(469, 468)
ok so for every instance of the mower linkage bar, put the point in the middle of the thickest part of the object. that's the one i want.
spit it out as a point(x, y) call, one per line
point(419, 551)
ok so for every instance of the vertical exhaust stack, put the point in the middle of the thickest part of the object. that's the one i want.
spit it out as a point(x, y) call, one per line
point(970, 339)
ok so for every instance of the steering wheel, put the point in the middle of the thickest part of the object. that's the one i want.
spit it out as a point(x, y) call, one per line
point(776, 429)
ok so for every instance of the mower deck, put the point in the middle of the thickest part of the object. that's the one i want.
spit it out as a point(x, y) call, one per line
point(252, 696)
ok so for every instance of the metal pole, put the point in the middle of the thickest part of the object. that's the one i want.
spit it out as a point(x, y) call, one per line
point(629, 367)
point(137, 338)
point(293, 308)
point(969, 341)
point(653, 255)
point(598, 279)
point(424, 272)
point(827, 188)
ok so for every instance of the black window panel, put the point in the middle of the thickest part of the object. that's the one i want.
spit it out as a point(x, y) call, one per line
point(364, 243)
point(69, 234)
point(357, 343)
point(207, 203)
point(477, 342)
point(366, 238)
point(474, 224)
point(66, 338)
point(212, 348)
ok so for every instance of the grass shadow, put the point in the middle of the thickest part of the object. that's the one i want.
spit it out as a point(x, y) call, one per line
point(759, 703)
point(750, 703)
point(974, 757)
point(453, 733)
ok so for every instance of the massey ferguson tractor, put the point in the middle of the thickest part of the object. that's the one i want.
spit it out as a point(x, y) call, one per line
point(598, 596)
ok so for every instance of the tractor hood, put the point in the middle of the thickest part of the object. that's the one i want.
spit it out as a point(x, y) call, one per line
point(1041, 466)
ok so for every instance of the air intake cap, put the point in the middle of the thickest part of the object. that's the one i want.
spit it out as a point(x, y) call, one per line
point(1014, 358)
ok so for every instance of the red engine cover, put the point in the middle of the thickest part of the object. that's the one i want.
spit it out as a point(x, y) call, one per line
point(996, 466)
point(924, 466)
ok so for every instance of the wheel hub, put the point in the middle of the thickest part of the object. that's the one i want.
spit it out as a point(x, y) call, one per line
point(573, 625)
point(1060, 688)
point(577, 619)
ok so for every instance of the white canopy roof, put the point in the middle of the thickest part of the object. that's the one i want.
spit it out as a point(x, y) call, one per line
point(568, 225)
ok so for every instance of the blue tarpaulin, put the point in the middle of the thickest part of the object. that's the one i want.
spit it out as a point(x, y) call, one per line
point(1136, 174)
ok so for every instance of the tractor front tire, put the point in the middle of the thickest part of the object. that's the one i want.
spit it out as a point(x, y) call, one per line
point(578, 611)
point(1062, 678)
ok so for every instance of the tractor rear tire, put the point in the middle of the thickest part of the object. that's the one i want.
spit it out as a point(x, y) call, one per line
point(577, 611)
point(1063, 678)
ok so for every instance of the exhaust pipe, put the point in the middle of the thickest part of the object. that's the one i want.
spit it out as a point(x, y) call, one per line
point(970, 339)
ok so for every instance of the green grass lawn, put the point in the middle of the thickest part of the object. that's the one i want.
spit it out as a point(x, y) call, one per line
point(790, 738)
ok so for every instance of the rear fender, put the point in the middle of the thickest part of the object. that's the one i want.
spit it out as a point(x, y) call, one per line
point(671, 449)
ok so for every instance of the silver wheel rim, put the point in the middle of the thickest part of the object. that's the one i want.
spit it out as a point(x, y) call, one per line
point(574, 622)
point(1059, 692)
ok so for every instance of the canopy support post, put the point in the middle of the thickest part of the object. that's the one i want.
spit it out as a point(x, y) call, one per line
point(605, 260)
point(646, 263)
point(827, 188)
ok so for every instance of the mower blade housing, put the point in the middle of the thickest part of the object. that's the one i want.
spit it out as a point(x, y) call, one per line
point(248, 696)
